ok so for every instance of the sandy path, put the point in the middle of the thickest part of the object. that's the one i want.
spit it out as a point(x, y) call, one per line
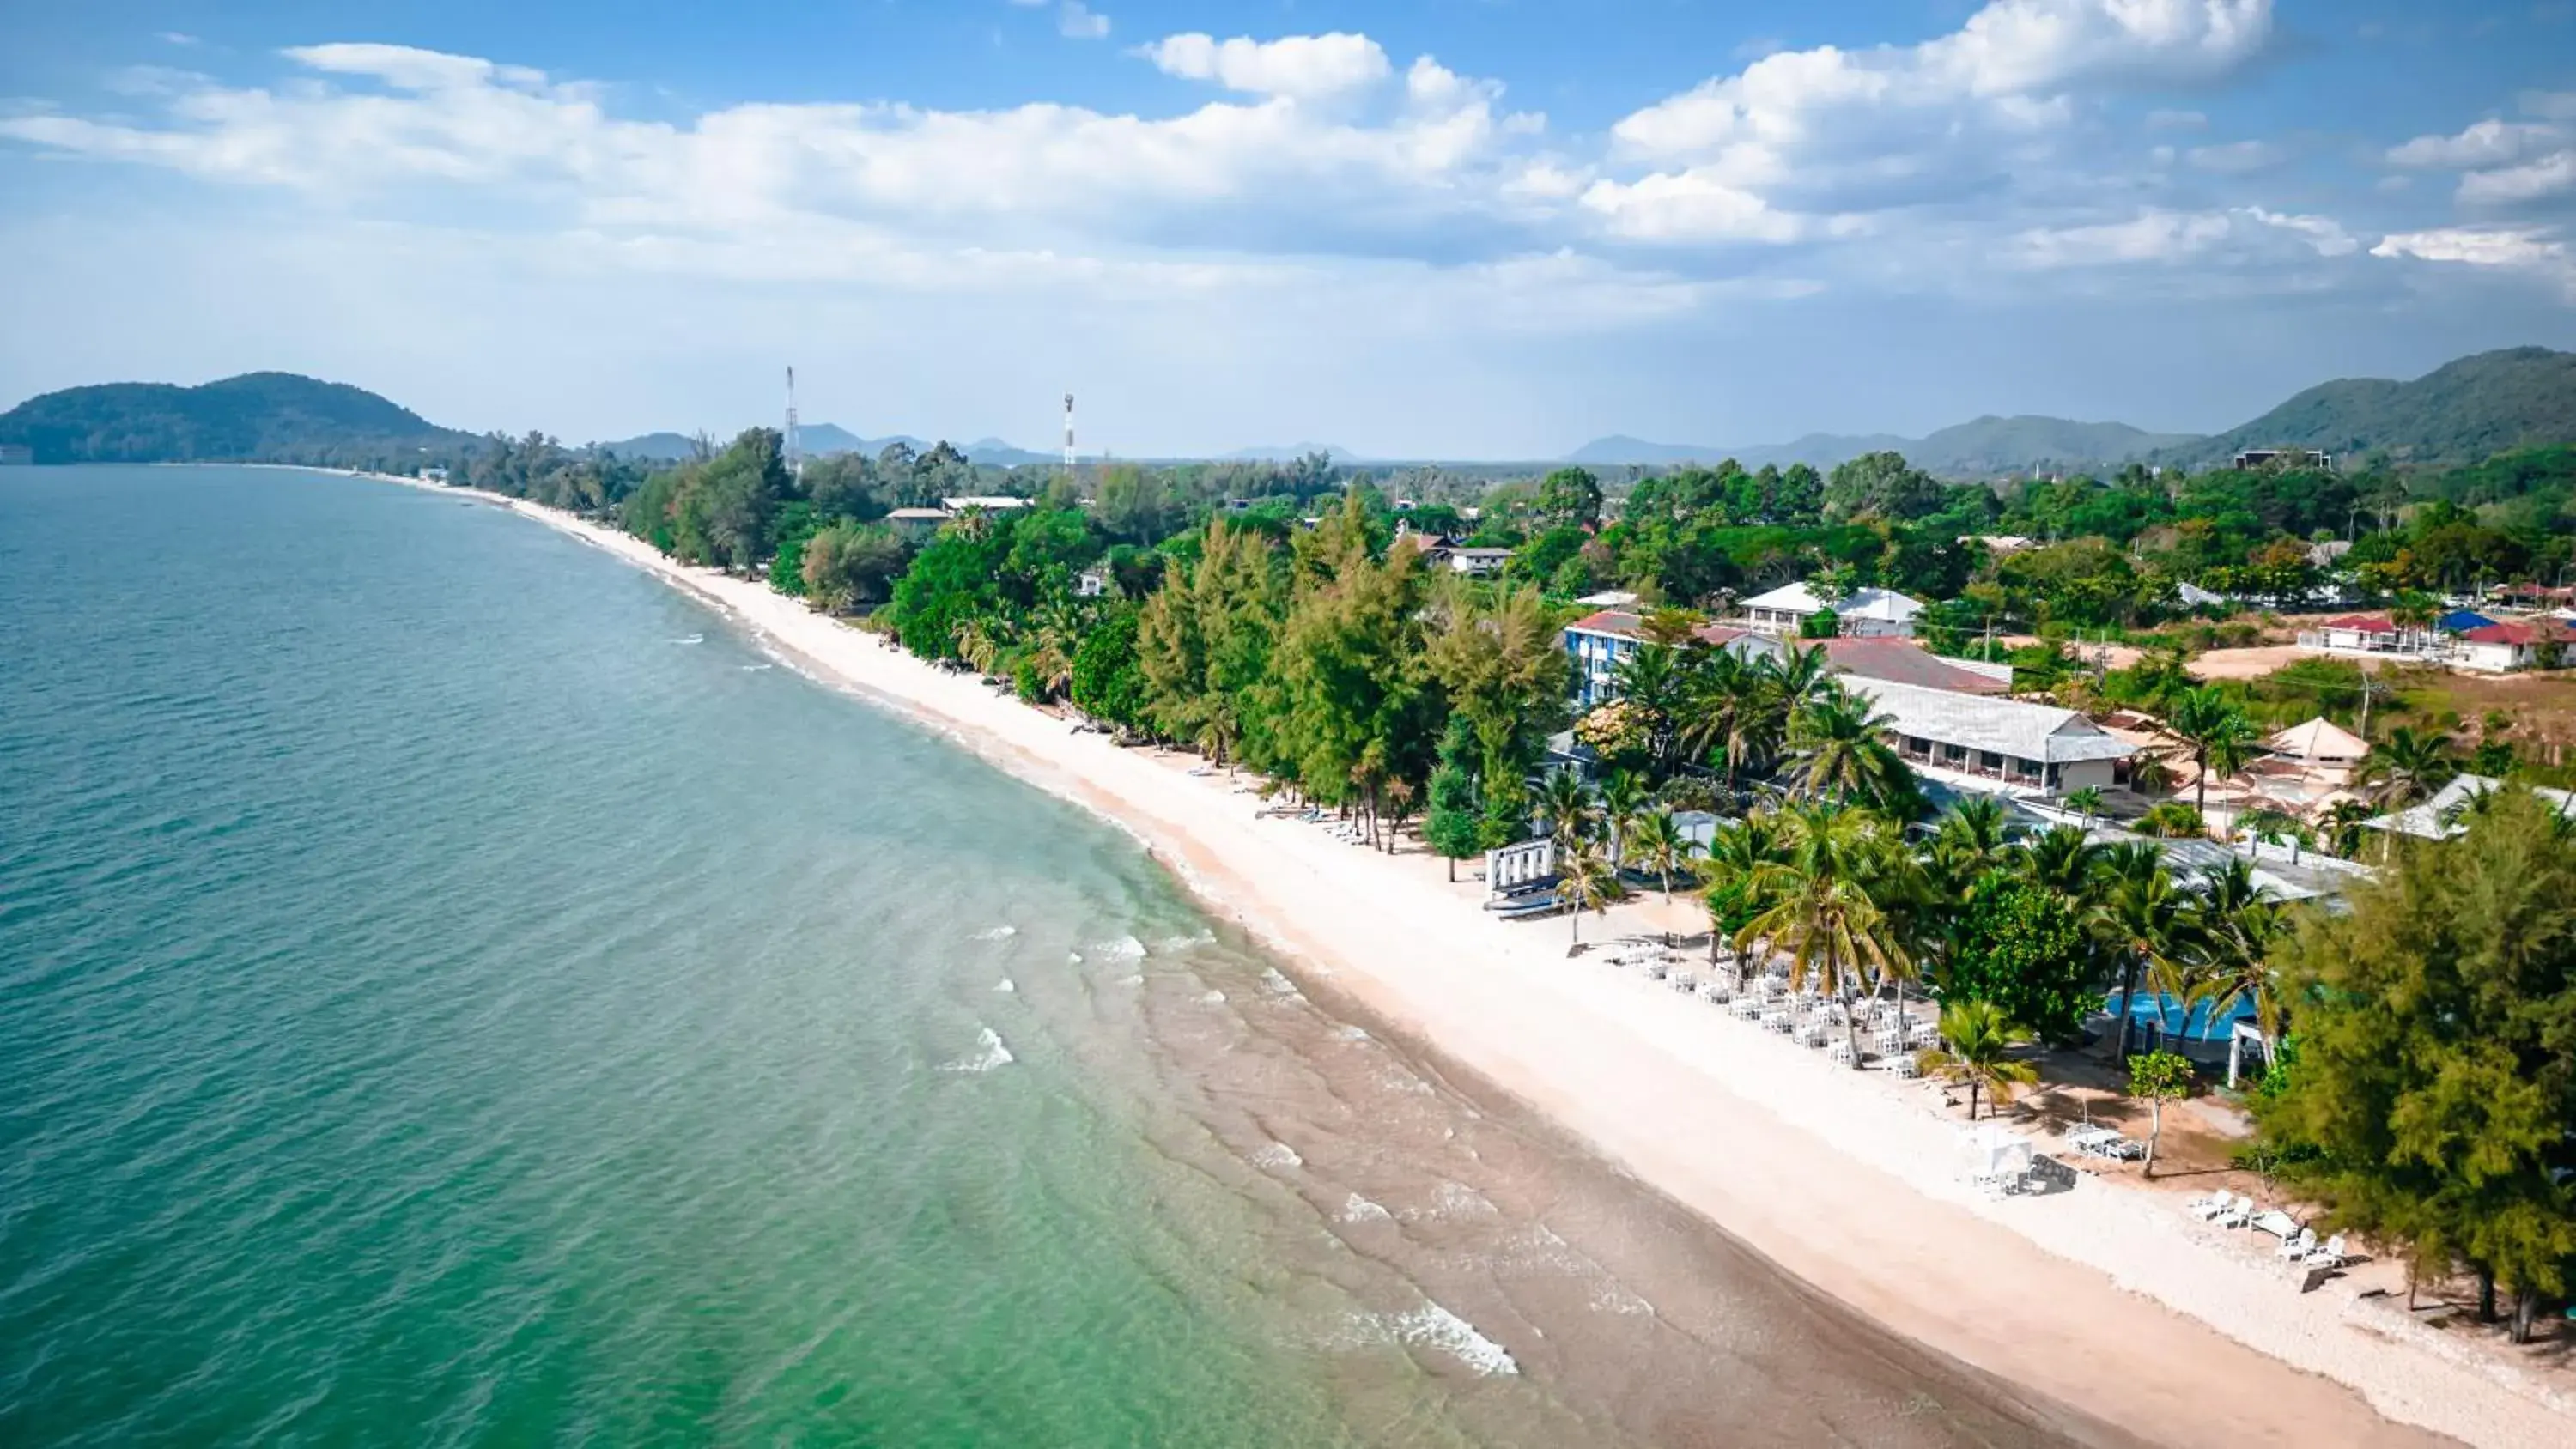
point(2100, 1297)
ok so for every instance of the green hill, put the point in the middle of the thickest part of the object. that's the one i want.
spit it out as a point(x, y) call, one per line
point(2460, 412)
point(259, 416)
point(1992, 445)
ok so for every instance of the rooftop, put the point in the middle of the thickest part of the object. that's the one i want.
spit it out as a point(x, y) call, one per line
point(2006, 727)
point(1901, 661)
point(2438, 817)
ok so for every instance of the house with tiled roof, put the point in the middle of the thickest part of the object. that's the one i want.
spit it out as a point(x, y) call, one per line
point(2001, 746)
point(2520, 644)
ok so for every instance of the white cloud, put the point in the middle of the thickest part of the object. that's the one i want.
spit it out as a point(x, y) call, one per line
point(2488, 143)
point(2552, 175)
point(1078, 21)
point(2159, 236)
point(1296, 66)
point(1828, 130)
point(2176, 120)
point(2238, 158)
point(1688, 206)
point(2533, 251)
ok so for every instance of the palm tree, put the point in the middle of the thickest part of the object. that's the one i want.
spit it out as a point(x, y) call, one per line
point(2238, 922)
point(1842, 753)
point(1661, 847)
point(1570, 808)
point(1732, 870)
point(2065, 861)
point(1979, 1040)
point(2343, 825)
point(1590, 884)
point(2088, 800)
point(1824, 906)
point(2137, 910)
point(1726, 711)
point(1973, 836)
point(2270, 826)
point(1652, 679)
point(2407, 767)
point(2222, 739)
point(1623, 798)
point(1797, 678)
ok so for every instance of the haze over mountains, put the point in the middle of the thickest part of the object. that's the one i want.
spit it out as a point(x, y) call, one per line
point(2463, 411)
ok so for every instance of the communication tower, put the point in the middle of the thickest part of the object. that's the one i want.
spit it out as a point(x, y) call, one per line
point(795, 452)
point(1068, 435)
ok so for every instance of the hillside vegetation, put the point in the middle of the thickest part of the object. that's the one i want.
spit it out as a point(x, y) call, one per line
point(2460, 412)
point(269, 416)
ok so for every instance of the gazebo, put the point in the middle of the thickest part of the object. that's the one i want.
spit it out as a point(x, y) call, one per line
point(2320, 742)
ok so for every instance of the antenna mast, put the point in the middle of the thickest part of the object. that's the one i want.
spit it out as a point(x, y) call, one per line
point(1068, 435)
point(795, 453)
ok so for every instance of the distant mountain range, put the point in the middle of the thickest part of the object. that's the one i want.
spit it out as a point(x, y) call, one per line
point(2458, 413)
point(823, 439)
point(1987, 447)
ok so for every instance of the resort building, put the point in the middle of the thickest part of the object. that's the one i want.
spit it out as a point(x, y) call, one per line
point(916, 522)
point(2527, 644)
point(1994, 746)
point(2372, 634)
point(1868, 613)
point(1902, 661)
point(1474, 562)
point(2439, 817)
point(989, 502)
point(1600, 642)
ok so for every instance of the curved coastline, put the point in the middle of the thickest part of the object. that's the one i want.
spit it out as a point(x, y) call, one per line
point(2094, 1299)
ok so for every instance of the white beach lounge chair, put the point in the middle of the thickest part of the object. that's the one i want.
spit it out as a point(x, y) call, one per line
point(2207, 1204)
point(2296, 1246)
point(2218, 1205)
point(2237, 1216)
point(2328, 1255)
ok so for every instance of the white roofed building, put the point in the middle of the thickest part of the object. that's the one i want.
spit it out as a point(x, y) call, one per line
point(1867, 614)
point(1996, 746)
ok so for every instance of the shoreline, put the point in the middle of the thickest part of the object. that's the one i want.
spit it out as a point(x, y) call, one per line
point(2105, 1300)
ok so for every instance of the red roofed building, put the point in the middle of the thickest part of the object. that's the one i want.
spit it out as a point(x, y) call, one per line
point(1902, 661)
point(2522, 644)
point(2371, 634)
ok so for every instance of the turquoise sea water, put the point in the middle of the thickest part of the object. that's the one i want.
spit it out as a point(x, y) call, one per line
point(454, 990)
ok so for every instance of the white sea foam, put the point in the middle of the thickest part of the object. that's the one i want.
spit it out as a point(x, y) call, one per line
point(1279, 985)
point(1214, 998)
point(692, 639)
point(1353, 1033)
point(1432, 1326)
point(756, 668)
point(1452, 1200)
point(1357, 1209)
point(1133, 978)
point(1183, 943)
point(993, 1054)
point(1276, 1155)
point(997, 933)
point(1125, 948)
point(1073, 956)
point(1006, 986)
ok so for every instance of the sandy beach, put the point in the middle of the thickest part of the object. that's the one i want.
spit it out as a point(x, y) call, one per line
point(2106, 1299)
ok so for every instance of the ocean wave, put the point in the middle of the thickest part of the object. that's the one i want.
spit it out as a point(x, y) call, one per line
point(997, 933)
point(1125, 948)
point(692, 639)
point(1214, 998)
point(756, 668)
point(1276, 1155)
point(1074, 957)
point(993, 1054)
point(1006, 986)
point(1279, 985)
point(1133, 978)
point(1357, 1209)
point(1452, 1200)
point(1184, 943)
point(1432, 1326)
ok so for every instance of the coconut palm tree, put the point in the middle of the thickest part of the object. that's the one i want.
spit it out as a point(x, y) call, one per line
point(2065, 861)
point(1974, 836)
point(1842, 753)
point(1797, 678)
point(2342, 827)
point(2407, 767)
point(2088, 800)
point(2222, 739)
point(1660, 846)
point(1623, 798)
point(2238, 922)
point(2138, 911)
point(1731, 873)
point(1589, 884)
point(1571, 810)
point(1726, 710)
point(1652, 679)
point(1977, 1052)
point(1824, 907)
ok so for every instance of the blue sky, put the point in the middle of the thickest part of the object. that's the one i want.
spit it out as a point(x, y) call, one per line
point(1460, 228)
